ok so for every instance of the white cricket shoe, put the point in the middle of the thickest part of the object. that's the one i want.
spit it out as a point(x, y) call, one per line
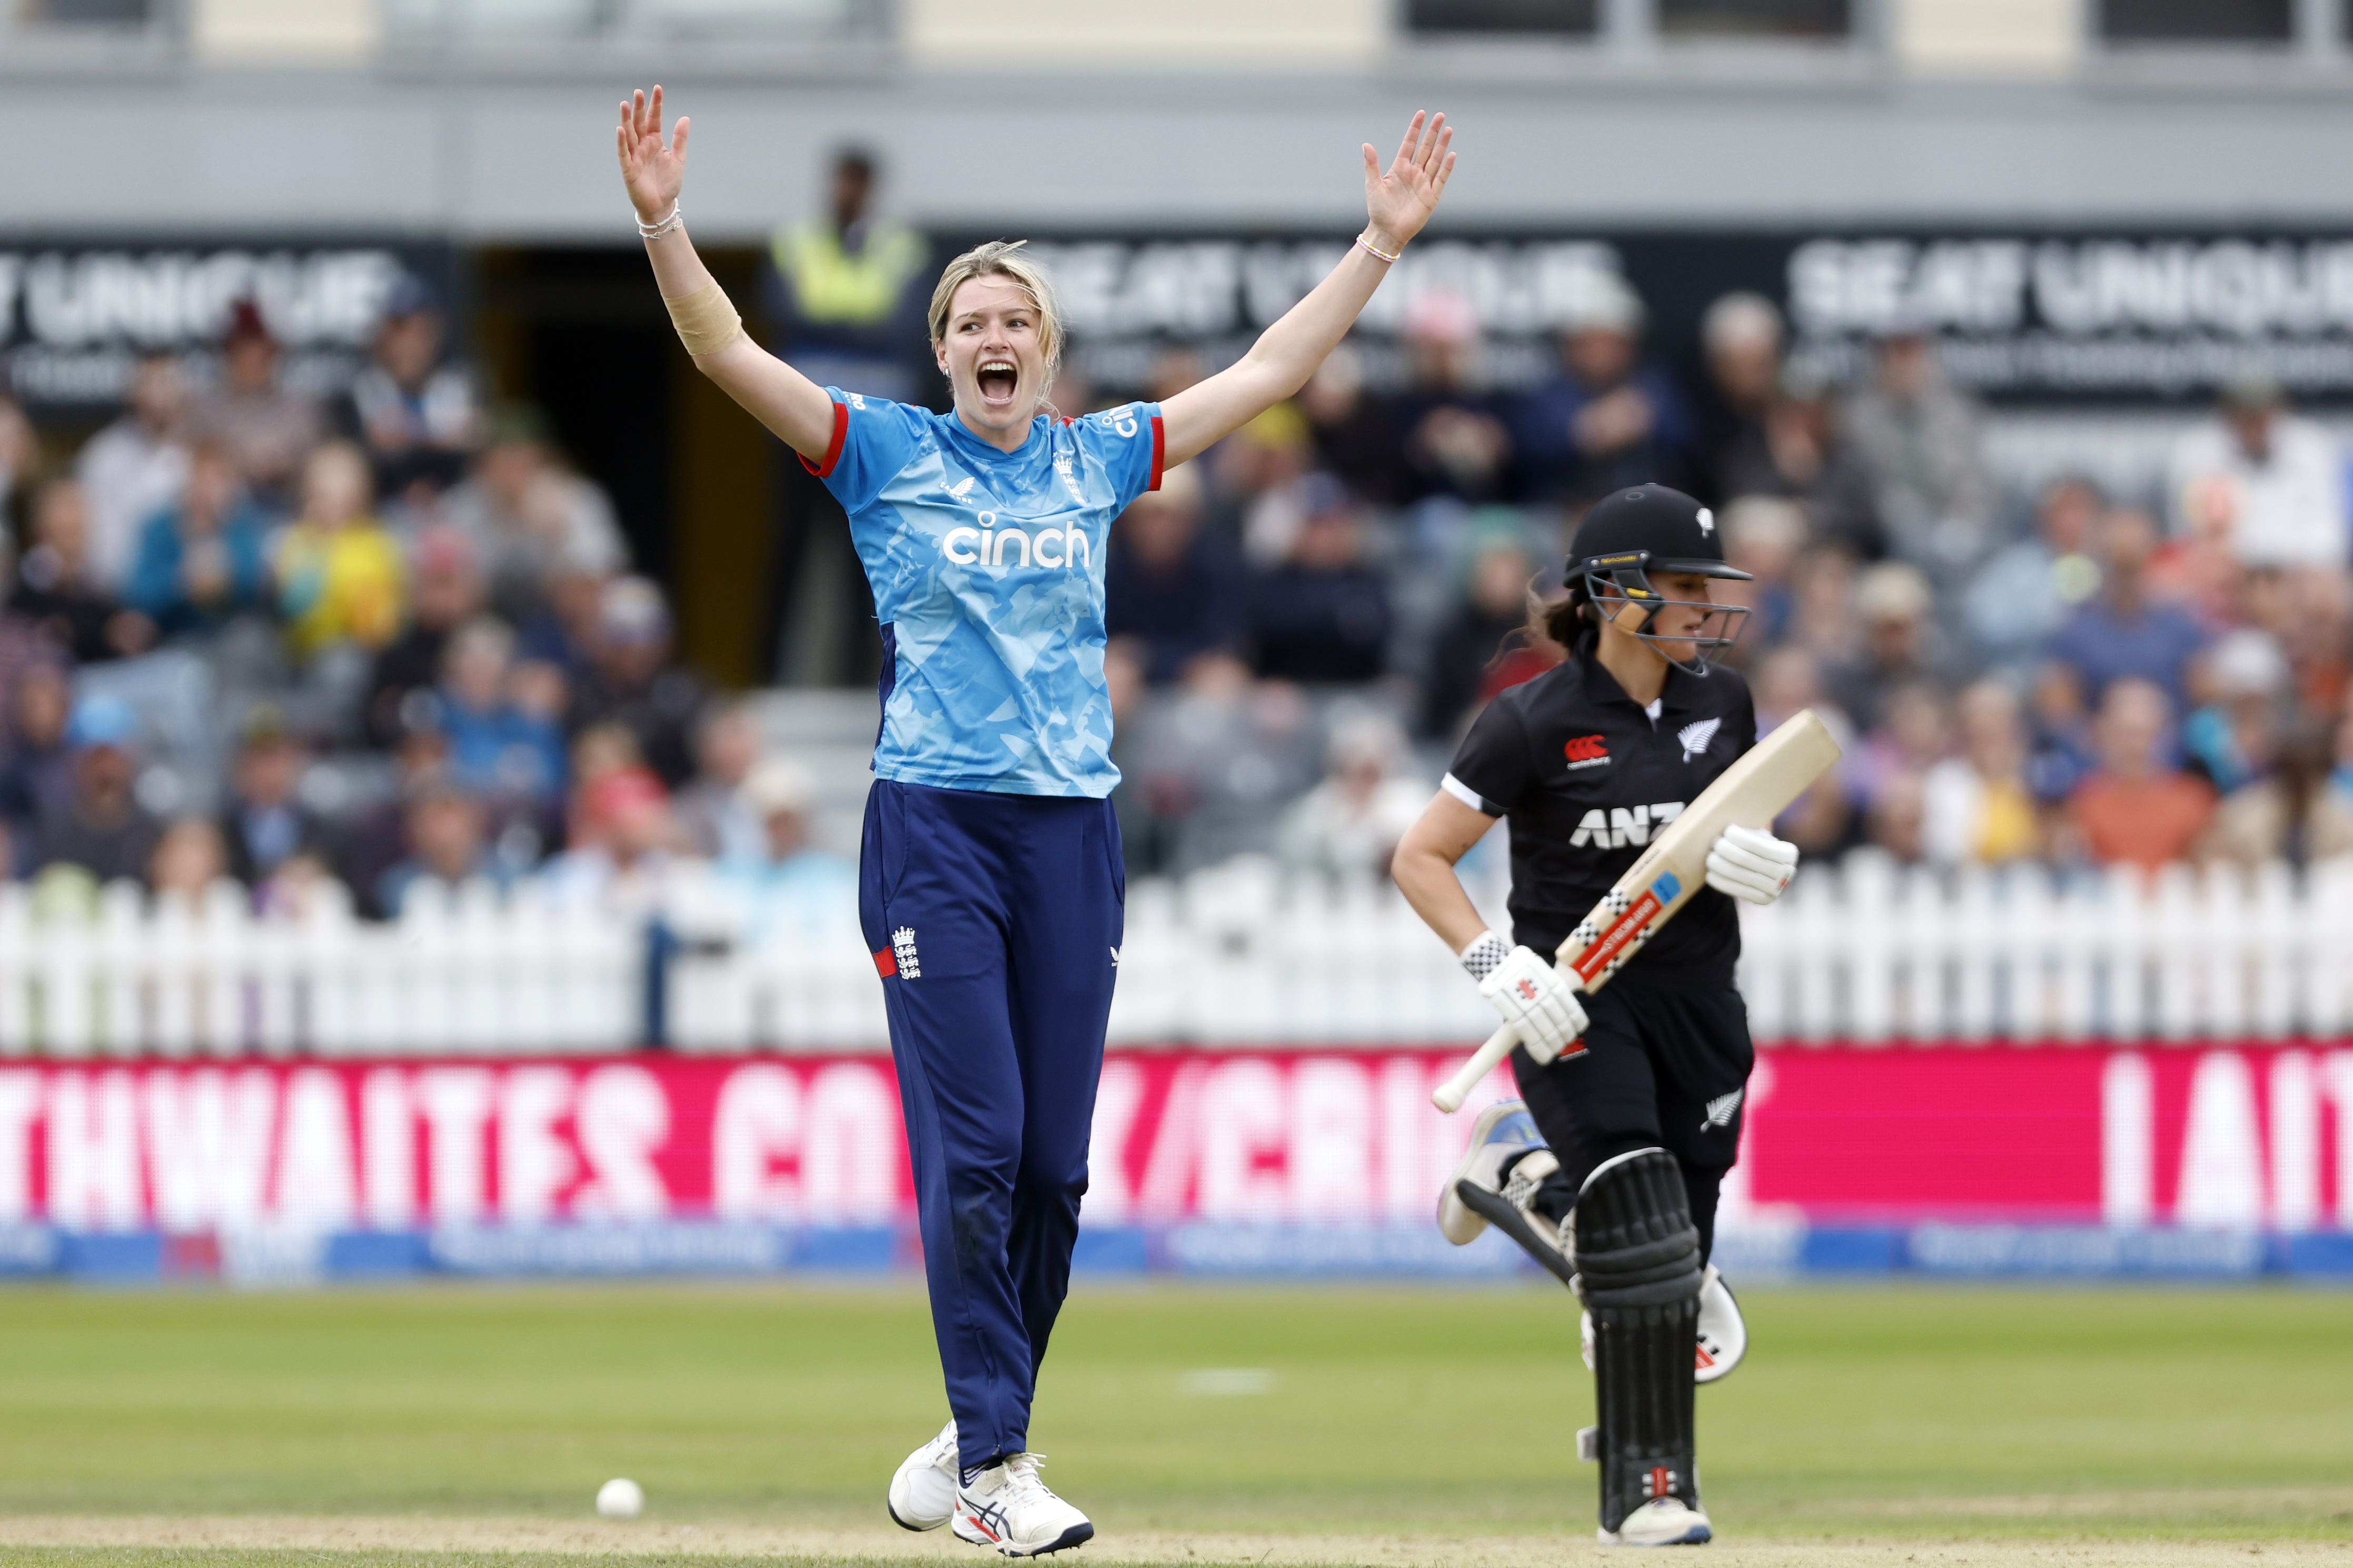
point(1662, 1522)
point(1723, 1331)
point(924, 1488)
point(1007, 1507)
point(1480, 1193)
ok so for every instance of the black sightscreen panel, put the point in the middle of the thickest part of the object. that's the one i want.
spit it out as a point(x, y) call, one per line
point(2197, 21)
point(1565, 19)
point(1756, 18)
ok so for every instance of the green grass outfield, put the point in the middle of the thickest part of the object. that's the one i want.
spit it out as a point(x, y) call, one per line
point(1863, 1416)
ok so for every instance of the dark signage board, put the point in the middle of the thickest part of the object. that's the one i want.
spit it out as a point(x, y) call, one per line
point(2024, 315)
point(75, 318)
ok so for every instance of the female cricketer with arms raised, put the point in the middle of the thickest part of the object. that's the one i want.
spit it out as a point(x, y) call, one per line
point(1640, 1120)
point(990, 880)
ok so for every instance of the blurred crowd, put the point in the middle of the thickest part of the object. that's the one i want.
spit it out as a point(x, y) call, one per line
point(396, 639)
point(1305, 621)
point(346, 647)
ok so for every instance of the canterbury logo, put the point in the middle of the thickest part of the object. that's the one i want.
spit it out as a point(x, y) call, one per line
point(1695, 737)
point(1114, 958)
point(1721, 1109)
point(963, 486)
point(1585, 752)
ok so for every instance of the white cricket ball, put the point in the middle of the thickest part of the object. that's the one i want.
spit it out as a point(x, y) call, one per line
point(620, 1498)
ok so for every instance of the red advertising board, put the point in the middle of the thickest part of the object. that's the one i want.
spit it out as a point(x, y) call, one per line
point(2250, 1136)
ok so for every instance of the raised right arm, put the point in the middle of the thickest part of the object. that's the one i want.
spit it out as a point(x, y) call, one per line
point(654, 168)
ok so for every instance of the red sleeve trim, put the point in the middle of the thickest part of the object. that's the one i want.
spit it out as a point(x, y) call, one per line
point(1160, 451)
point(886, 962)
point(833, 447)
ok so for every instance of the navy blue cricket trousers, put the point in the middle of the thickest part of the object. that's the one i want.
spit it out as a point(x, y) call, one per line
point(996, 922)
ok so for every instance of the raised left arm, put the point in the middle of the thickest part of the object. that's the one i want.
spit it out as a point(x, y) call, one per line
point(1398, 203)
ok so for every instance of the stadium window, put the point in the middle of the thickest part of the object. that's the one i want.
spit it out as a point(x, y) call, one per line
point(1756, 18)
point(1560, 18)
point(87, 13)
point(2197, 21)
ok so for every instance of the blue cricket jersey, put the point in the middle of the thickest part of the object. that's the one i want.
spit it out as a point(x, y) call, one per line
point(988, 571)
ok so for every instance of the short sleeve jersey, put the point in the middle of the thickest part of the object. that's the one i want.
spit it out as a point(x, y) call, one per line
point(1584, 776)
point(988, 571)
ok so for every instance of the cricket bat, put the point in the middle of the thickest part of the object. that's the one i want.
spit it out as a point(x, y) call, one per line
point(1751, 792)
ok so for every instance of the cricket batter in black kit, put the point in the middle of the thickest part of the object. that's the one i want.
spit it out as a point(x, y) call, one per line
point(1609, 1170)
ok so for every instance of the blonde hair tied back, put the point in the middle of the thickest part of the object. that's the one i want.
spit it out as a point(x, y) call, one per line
point(1003, 258)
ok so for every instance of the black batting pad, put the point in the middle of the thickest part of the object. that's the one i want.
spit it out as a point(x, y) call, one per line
point(1638, 1268)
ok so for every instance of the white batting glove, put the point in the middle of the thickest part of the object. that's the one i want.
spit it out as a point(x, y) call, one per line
point(1751, 864)
point(1536, 998)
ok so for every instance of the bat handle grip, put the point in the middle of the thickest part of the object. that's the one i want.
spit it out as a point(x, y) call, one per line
point(1449, 1096)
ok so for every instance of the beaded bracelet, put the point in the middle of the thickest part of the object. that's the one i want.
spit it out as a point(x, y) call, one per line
point(655, 230)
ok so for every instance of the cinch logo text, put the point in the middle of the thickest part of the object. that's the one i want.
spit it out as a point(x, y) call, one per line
point(1623, 826)
point(989, 545)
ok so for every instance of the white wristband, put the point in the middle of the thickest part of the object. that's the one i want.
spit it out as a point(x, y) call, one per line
point(1486, 952)
point(655, 230)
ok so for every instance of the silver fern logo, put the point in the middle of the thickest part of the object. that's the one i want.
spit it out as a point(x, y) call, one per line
point(1695, 737)
point(1722, 1109)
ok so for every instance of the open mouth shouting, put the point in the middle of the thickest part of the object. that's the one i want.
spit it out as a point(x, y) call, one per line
point(999, 380)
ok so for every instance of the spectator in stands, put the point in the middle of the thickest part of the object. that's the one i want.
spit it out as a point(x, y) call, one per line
point(1921, 442)
point(715, 809)
point(1606, 419)
point(2137, 809)
point(1469, 645)
point(20, 463)
point(1171, 587)
point(1348, 825)
point(1741, 341)
point(1323, 616)
point(265, 823)
point(1456, 441)
point(499, 747)
point(447, 592)
point(1912, 735)
point(415, 415)
point(1214, 763)
point(1355, 433)
point(2025, 593)
point(203, 560)
point(1796, 452)
point(624, 844)
point(630, 680)
point(2295, 813)
point(56, 591)
point(2059, 729)
point(1976, 806)
point(1763, 536)
point(340, 579)
point(2244, 686)
point(2309, 609)
point(1899, 642)
point(528, 516)
point(269, 428)
point(2123, 631)
point(2269, 483)
point(36, 763)
point(786, 876)
point(134, 467)
point(1262, 480)
point(189, 859)
point(446, 832)
point(1897, 820)
point(98, 825)
point(379, 838)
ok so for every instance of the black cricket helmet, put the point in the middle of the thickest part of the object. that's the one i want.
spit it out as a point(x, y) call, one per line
point(1631, 534)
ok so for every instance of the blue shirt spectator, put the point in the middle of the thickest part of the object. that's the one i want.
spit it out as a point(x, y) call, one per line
point(2122, 632)
point(497, 746)
point(1607, 420)
point(1323, 614)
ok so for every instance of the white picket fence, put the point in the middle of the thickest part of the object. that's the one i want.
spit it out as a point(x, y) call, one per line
point(1863, 951)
